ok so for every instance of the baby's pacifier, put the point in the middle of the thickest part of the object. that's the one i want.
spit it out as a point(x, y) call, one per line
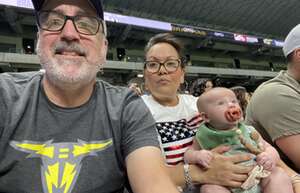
point(233, 114)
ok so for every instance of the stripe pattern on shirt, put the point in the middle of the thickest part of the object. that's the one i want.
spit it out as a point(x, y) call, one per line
point(176, 137)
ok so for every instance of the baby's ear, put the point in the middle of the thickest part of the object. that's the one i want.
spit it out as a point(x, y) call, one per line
point(204, 117)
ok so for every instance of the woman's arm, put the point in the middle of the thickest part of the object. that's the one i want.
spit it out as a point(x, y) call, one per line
point(223, 170)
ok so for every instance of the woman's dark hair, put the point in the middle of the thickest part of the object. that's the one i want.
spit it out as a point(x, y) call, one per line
point(240, 93)
point(169, 39)
point(198, 86)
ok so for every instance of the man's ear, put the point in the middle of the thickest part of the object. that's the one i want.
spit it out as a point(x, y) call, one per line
point(106, 42)
point(37, 39)
point(297, 54)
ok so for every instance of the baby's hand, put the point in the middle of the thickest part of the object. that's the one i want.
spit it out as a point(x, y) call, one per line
point(203, 157)
point(265, 160)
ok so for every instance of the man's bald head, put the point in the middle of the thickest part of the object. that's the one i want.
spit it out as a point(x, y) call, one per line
point(210, 96)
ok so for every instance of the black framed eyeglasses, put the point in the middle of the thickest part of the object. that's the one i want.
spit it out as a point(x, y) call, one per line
point(170, 65)
point(55, 21)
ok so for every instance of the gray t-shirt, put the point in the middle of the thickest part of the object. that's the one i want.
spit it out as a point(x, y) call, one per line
point(45, 148)
point(275, 107)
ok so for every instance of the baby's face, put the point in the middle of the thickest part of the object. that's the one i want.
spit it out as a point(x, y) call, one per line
point(223, 110)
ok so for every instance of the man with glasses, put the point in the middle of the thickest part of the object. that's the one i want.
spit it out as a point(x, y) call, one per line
point(66, 131)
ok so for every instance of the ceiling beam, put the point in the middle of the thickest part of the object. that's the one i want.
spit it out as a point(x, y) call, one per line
point(125, 33)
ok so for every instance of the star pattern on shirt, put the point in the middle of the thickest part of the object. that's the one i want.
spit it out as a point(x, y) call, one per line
point(173, 131)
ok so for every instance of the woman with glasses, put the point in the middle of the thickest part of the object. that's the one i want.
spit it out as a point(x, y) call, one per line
point(177, 117)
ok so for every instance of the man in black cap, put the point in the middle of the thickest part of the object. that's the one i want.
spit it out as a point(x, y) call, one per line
point(63, 130)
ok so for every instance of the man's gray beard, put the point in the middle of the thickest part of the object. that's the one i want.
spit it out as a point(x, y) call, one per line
point(59, 79)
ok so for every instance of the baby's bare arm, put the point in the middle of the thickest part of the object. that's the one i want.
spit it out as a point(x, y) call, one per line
point(269, 157)
point(196, 155)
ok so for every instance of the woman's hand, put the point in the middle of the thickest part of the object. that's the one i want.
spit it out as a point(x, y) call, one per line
point(223, 170)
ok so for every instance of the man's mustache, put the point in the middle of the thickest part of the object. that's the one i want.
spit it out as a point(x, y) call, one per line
point(62, 46)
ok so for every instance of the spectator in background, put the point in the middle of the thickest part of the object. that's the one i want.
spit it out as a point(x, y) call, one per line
point(274, 108)
point(66, 131)
point(243, 97)
point(200, 86)
point(136, 84)
point(177, 117)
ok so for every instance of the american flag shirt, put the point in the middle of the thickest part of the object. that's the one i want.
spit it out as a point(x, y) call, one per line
point(176, 126)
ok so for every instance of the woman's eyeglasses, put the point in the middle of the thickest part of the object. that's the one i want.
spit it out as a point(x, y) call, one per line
point(170, 65)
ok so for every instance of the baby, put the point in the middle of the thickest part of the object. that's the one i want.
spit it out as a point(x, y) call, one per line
point(222, 125)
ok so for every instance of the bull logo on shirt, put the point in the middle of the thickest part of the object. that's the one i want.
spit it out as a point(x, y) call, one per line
point(61, 162)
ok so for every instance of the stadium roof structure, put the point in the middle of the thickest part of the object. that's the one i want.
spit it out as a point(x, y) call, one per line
point(267, 18)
